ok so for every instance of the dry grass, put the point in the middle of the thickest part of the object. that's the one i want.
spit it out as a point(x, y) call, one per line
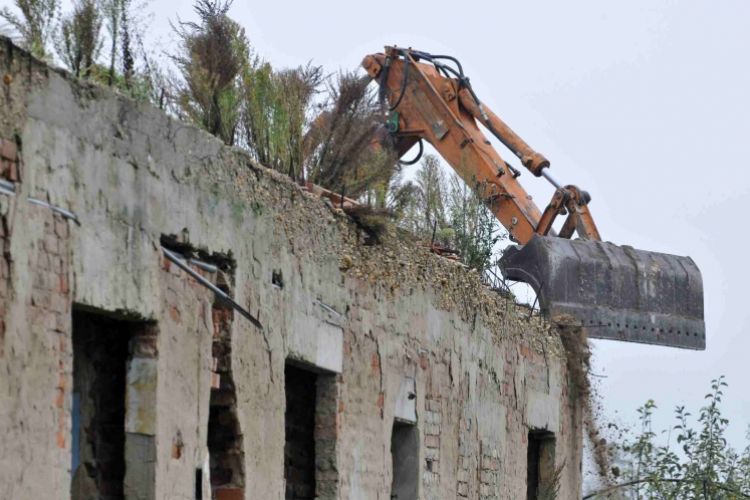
point(345, 145)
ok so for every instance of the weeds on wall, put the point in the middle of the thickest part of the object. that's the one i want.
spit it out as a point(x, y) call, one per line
point(276, 113)
point(79, 41)
point(452, 213)
point(313, 127)
point(346, 146)
point(549, 488)
point(34, 25)
point(211, 58)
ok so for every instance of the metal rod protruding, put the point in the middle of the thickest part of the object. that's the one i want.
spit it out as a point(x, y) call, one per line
point(61, 211)
point(203, 281)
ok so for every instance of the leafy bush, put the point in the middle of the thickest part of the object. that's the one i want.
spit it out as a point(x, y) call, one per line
point(704, 467)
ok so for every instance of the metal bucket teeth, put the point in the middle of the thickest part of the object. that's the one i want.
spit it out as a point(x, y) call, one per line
point(614, 292)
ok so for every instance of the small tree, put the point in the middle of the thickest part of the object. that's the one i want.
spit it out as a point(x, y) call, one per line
point(211, 57)
point(35, 26)
point(347, 146)
point(276, 113)
point(706, 466)
point(432, 194)
point(79, 41)
point(113, 11)
point(128, 59)
point(476, 230)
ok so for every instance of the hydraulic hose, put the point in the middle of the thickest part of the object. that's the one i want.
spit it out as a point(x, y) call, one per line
point(464, 81)
point(384, 79)
point(415, 160)
point(403, 82)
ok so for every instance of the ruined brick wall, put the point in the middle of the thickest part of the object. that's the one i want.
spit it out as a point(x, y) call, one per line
point(390, 333)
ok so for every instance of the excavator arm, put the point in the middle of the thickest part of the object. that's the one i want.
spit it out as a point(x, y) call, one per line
point(613, 292)
point(445, 112)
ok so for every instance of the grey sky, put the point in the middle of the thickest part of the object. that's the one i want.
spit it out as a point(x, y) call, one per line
point(644, 103)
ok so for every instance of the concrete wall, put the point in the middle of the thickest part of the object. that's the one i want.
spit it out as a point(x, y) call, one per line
point(394, 331)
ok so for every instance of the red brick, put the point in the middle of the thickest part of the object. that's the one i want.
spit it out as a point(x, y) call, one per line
point(61, 439)
point(375, 365)
point(215, 380)
point(432, 441)
point(381, 400)
point(61, 323)
point(41, 299)
point(424, 362)
point(40, 281)
point(5, 166)
point(64, 288)
point(526, 352)
point(12, 172)
point(50, 244)
point(58, 304)
point(42, 259)
point(230, 494)
point(61, 228)
point(8, 150)
point(60, 399)
point(175, 313)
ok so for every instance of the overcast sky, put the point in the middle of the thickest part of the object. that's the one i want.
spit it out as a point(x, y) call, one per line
point(643, 103)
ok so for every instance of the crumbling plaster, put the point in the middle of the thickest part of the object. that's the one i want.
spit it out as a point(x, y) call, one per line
point(483, 373)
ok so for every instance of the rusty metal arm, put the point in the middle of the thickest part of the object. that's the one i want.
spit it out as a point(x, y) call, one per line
point(427, 105)
point(530, 159)
point(424, 112)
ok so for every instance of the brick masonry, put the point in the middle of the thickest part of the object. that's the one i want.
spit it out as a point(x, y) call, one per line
point(131, 175)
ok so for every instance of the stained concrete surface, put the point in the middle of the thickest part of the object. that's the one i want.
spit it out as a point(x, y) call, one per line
point(483, 374)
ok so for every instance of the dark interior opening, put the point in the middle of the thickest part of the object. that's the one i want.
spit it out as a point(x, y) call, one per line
point(540, 468)
point(100, 356)
point(225, 440)
point(299, 426)
point(405, 455)
point(198, 484)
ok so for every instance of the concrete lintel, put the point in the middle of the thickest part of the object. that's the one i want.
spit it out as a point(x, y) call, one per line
point(406, 402)
point(317, 343)
point(543, 412)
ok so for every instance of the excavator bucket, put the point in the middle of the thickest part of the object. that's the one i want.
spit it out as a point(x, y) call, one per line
point(614, 292)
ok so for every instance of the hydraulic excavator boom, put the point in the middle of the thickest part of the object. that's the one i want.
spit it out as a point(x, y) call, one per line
point(614, 292)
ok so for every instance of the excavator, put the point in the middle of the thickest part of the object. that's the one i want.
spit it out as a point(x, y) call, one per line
point(612, 292)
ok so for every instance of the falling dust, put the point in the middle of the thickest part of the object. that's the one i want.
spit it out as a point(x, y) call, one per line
point(578, 351)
